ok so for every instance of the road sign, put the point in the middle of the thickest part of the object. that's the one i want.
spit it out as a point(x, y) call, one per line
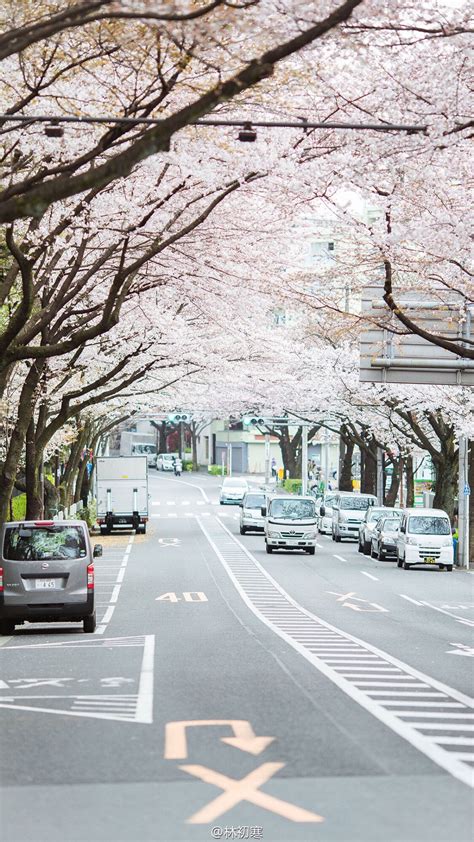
point(467, 489)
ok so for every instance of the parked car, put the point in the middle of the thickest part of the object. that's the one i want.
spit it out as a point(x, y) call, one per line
point(164, 461)
point(425, 537)
point(47, 574)
point(233, 490)
point(372, 515)
point(325, 514)
point(251, 518)
point(383, 540)
point(348, 511)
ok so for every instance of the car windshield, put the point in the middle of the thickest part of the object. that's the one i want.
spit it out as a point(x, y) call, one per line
point(254, 501)
point(429, 525)
point(292, 509)
point(374, 514)
point(356, 503)
point(328, 501)
point(35, 543)
point(144, 448)
point(389, 524)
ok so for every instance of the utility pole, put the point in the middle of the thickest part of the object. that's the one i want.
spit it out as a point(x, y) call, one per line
point(463, 504)
point(181, 440)
point(267, 458)
point(380, 476)
point(304, 459)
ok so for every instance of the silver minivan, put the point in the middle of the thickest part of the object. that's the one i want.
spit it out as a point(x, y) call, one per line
point(46, 574)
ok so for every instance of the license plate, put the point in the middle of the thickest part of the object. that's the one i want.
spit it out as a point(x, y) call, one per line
point(45, 584)
point(430, 560)
point(122, 520)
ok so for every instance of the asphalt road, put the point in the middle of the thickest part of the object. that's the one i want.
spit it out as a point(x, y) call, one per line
point(230, 694)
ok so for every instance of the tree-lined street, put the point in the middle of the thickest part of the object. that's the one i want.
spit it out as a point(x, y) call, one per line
point(304, 696)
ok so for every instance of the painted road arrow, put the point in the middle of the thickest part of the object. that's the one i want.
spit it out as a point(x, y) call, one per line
point(176, 747)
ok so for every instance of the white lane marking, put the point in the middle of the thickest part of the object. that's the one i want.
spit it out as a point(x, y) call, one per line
point(340, 557)
point(120, 575)
point(409, 731)
point(108, 614)
point(156, 503)
point(409, 598)
point(144, 710)
point(454, 741)
point(449, 614)
point(100, 629)
point(320, 546)
point(171, 502)
point(438, 726)
point(369, 576)
point(425, 704)
point(115, 593)
point(436, 715)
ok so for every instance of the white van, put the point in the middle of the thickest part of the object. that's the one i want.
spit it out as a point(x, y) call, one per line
point(425, 538)
point(348, 512)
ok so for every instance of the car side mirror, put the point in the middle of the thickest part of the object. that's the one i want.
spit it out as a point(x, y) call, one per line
point(241, 505)
point(97, 550)
point(263, 511)
point(322, 511)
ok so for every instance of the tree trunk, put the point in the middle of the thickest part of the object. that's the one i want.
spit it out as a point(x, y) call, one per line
point(194, 446)
point(34, 490)
point(447, 469)
point(368, 479)
point(392, 493)
point(25, 413)
point(345, 474)
point(289, 453)
point(410, 482)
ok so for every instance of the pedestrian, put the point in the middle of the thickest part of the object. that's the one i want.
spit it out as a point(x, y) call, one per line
point(274, 467)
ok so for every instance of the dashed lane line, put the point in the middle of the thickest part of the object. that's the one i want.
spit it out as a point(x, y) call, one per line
point(410, 599)
point(369, 576)
point(309, 635)
point(340, 557)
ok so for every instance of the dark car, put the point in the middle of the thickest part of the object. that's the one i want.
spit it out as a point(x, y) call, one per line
point(46, 574)
point(384, 537)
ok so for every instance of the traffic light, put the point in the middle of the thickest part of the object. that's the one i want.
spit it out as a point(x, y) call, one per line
point(253, 420)
point(179, 417)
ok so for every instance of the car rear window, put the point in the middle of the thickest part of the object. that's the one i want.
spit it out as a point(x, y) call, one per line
point(35, 543)
point(254, 501)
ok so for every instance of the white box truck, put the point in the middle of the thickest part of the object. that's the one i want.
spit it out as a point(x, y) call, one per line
point(139, 444)
point(121, 486)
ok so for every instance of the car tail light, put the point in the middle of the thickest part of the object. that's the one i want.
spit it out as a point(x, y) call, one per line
point(1, 579)
point(90, 577)
point(44, 522)
point(100, 520)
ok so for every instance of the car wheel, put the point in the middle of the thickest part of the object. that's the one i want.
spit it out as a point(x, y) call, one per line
point(373, 554)
point(7, 627)
point(361, 548)
point(406, 566)
point(381, 555)
point(367, 548)
point(399, 561)
point(268, 549)
point(311, 550)
point(449, 567)
point(103, 530)
point(243, 530)
point(337, 538)
point(89, 623)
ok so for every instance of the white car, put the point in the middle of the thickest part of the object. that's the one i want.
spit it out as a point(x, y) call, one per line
point(233, 490)
point(325, 512)
point(164, 461)
point(425, 537)
point(367, 527)
point(251, 518)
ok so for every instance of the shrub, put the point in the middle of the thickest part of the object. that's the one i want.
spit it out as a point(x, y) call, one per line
point(188, 466)
point(88, 513)
point(216, 470)
point(18, 507)
point(293, 486)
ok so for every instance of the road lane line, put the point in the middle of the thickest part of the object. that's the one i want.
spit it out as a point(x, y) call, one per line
point(144, 709)
point(120, 575)
point(221, 540)
point(340, 557)
point(369, 576)
point(463, 620)
point(115, 593)
point(191, 484)
point(409, 598)
point(108, 614)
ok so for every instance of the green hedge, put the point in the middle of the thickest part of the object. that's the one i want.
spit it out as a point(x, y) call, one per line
point(292, 485)
point(216, 470)
point(88, 513)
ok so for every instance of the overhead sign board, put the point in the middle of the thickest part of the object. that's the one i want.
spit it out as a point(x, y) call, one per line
point(390, 354)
